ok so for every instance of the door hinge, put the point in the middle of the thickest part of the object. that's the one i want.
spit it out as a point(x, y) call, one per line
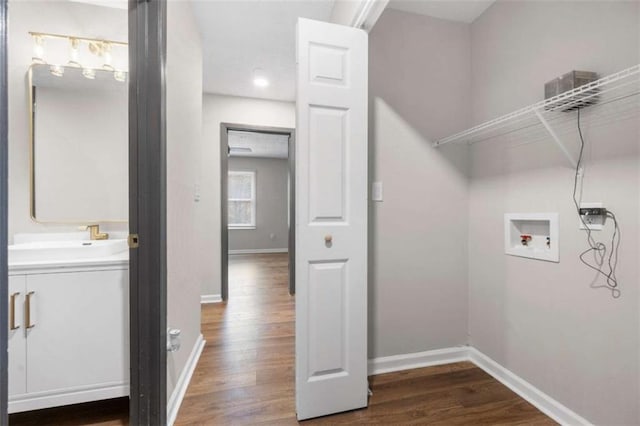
point(133, 241)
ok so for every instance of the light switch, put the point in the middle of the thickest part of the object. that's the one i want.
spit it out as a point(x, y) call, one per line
point(196, 192)
point(376, 191)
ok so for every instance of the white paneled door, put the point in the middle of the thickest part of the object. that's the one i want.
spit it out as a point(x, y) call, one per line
point(331, 219)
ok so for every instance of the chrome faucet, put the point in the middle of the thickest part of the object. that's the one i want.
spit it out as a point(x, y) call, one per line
point(95, 234)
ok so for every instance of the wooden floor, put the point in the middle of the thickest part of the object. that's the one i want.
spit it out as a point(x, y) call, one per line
point(246, 372)
point(246, 375)
point(112, 412)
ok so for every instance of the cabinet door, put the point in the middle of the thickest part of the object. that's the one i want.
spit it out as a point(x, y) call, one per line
point(80, 333)
point(17, 342)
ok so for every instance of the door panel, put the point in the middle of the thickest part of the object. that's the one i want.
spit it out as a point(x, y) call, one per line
point(327, 346)
point(85, 314)
point(331, 219)
point(327, 177)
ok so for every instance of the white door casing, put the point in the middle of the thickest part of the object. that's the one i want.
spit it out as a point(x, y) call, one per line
point(331, 219)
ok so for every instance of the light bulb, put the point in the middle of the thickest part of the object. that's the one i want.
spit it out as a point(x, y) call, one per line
point(74, 54)
point(57, 70)
point(107, 57)
point(89, 73)
point(120, 76)
point(38, 50)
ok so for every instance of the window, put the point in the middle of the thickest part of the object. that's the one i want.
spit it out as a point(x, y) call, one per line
point(242, 200)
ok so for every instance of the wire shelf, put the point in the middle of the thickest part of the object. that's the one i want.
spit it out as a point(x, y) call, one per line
point(611, 98)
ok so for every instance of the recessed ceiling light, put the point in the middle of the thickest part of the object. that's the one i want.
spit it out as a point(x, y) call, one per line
point(259, 78)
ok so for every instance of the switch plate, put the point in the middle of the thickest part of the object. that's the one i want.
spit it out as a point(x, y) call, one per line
point(196, 192)
point(376, 191)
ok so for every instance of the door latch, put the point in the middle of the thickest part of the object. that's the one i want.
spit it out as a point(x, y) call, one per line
point(133, 241)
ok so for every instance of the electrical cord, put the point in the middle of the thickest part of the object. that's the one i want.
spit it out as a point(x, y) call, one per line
point(598, 249)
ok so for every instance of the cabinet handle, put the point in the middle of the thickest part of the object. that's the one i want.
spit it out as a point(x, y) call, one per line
point(12, 312)
point(28, 311)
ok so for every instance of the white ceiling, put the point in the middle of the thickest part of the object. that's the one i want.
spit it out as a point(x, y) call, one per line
point(240, 36)
point(452, 10)
point(264, 145)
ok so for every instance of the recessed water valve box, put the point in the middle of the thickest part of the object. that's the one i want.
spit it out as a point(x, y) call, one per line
point(532, 235)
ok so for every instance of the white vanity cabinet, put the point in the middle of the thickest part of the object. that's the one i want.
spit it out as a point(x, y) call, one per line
point(72, 344)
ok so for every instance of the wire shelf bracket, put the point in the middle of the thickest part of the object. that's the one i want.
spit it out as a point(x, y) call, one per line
point(556, 139)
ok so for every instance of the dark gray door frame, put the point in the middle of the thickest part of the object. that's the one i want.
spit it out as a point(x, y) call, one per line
point(224, 214)
point(4, 164)
point(147, 212)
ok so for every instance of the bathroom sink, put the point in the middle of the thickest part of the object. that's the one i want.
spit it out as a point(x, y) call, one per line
point(65, 250)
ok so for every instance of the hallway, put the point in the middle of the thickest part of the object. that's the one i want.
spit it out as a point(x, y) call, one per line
point(245, 373)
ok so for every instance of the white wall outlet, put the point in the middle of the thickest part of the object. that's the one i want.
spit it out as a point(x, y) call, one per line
point(594, 222)
point(376, 191)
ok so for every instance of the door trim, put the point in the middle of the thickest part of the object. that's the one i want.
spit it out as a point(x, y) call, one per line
point(224, 213)
point(4, 176)
point(147, 212)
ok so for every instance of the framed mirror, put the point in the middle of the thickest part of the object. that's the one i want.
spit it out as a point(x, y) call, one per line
point(79, 144)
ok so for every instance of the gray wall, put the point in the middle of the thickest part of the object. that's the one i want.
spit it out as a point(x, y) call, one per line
point(58, 18)
point(542, 320)
point(272, 228)
point(185, 261)
point(227, 109)
point(419, 74)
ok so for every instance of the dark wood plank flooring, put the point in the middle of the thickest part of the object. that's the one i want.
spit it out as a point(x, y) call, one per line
point(112, 412)
point(246, 372)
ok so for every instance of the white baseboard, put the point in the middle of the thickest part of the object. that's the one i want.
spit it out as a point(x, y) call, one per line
point(210, 298)
point(173, 405)
point(524, 389)
point(393, 363)
point(77, 395)
point(259, 251)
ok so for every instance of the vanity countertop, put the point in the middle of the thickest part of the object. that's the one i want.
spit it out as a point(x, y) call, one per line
point(67, 254)
point(117, 260)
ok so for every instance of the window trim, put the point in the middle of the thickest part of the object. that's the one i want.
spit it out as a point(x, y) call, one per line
point(253, 199)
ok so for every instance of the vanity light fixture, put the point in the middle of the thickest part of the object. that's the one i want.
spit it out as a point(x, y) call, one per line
point(38, 49)
point(97, 47)
point(89, 73)
point(56, 70)
point(260, 78)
